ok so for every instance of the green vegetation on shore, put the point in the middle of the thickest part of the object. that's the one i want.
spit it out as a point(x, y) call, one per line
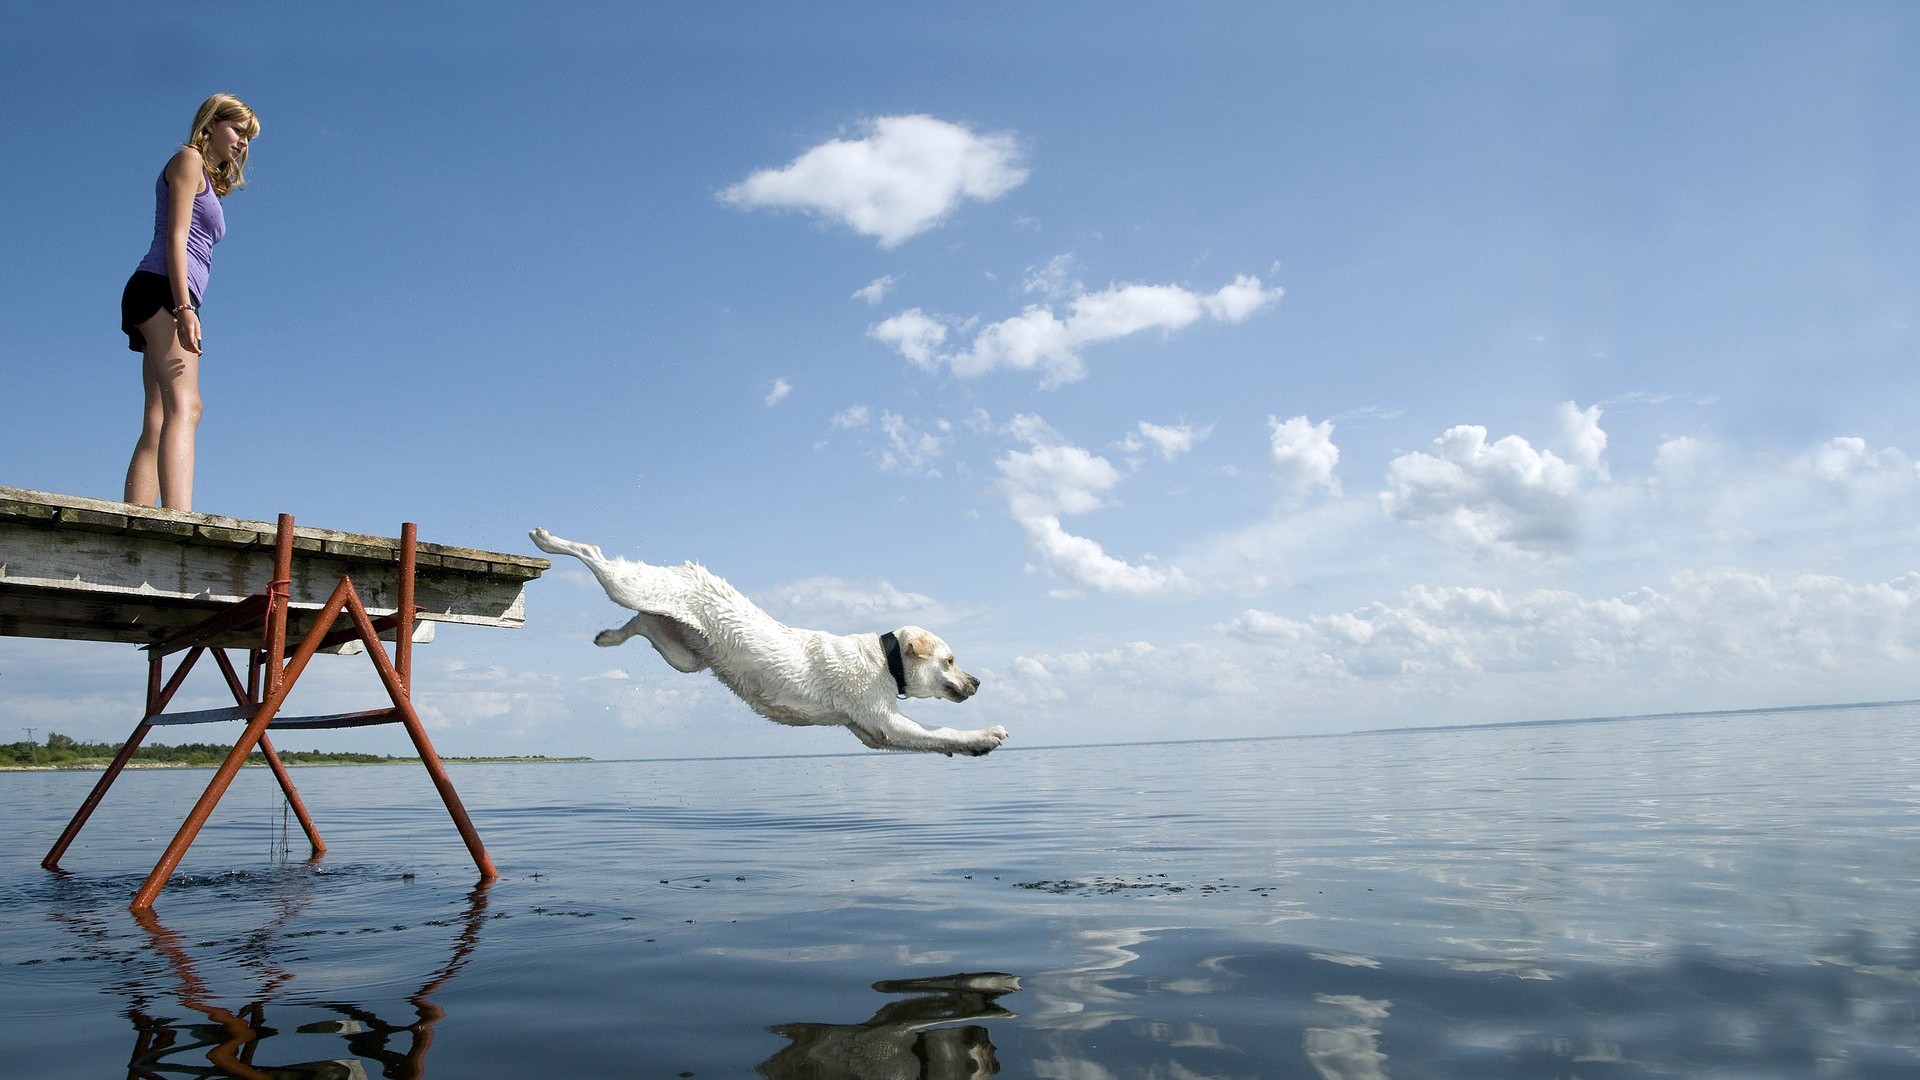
point(62, 752)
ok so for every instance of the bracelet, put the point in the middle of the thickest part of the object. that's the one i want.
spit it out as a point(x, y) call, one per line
point(184, 307)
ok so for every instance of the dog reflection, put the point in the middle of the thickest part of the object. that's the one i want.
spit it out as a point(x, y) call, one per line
point(905, 1039)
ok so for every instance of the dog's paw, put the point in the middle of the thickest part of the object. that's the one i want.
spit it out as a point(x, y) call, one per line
point(986, 741)
point(607, 639)
point(543, 540)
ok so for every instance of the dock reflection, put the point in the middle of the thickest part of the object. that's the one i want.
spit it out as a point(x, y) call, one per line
point(923, 1037)
point(233, 1041)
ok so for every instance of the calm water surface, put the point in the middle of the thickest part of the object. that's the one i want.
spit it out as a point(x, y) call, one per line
point(1717, 896)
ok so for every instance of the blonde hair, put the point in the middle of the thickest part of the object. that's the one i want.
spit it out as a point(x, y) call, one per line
point(227, 175)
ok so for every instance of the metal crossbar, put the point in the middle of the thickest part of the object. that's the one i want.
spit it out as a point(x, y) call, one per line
point(363, 718)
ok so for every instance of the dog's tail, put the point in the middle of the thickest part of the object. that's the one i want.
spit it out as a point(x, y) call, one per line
point(640, 586)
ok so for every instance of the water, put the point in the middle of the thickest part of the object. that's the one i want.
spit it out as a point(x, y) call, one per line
point(1713, 896)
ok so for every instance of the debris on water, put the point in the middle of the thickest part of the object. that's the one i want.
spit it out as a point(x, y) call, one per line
point(1157, 884)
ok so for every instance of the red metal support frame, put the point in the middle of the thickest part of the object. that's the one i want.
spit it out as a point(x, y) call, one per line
point(271, 675)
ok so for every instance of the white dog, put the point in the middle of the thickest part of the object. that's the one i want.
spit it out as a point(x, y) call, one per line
point(696, 622)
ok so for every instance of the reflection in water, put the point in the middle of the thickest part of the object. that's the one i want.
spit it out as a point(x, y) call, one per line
point(232, 1039)
point(905, 1039)
point(1348, 1048)
point(1701, 899)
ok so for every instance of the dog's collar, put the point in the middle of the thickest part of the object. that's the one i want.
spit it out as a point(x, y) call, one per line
point(896, 665)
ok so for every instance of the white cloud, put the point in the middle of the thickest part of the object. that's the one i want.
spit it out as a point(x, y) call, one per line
point(1702, 493)
point(1581, 439)
point(905, 447)
point(1717, 627)
point(903, 176)
point(1449, 654)
point(876, 290)
point(1054, 279)
point(827, 602)
point(1167, 441)
point(1048, 481)
point(781, 388)
point(910, 449)
point(850, 418)
point(1503, 496)
point(1304, 456)
point(1033, 430)
point(915, 335)
point(1085, 562)
point(1848, 462)
point(1240, 299)
point(1054, 479)
point(1040, 340)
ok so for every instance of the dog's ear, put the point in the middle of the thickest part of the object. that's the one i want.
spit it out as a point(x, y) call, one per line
point(919, 645)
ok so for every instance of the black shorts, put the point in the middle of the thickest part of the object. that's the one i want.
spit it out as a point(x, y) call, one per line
point(146, 293)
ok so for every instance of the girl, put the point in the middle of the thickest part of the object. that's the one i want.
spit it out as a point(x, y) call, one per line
point(160, 308)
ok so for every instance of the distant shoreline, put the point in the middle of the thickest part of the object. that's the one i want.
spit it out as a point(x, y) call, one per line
point(100, 764)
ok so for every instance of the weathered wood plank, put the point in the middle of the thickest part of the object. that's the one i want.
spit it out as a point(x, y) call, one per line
point(86, 569)
point(136, 620)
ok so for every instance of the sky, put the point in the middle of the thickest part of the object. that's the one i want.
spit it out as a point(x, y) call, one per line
point(1196, 371)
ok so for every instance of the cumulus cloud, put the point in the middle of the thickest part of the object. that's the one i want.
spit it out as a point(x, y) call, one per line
point(876, 290)
point(1848, 462)
point(1085, 562)
point(781, 388)
point(830, 601)
point(915, 335)
point(1707, 493)
point(1169, 441)
point(1449, 654)
point(1718, 627)
point(506, 702)
point(1051, 343)
point(1504, 496)
point(1048, 481)
point(1582, 441)
point(902, 176)
point(850, 418)
point(1053, 479)
point(1303, 456)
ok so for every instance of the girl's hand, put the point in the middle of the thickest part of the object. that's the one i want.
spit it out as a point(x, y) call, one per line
point(186, 326)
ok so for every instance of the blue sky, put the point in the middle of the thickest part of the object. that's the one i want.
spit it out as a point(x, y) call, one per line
point(1196, 370)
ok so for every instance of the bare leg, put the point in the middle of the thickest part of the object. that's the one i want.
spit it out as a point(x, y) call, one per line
point(161, 471)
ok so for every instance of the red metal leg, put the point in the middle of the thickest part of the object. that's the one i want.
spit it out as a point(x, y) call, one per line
point(59, 850)
point(157, 698)
point(242, 696)
point(293, 797)
point(418, 733)
point(281, 682)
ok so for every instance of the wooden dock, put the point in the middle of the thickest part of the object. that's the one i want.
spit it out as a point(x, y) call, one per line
point(191, 585)
point(93, 570)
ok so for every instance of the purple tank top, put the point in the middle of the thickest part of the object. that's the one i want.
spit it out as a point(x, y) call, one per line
point(209, 224)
